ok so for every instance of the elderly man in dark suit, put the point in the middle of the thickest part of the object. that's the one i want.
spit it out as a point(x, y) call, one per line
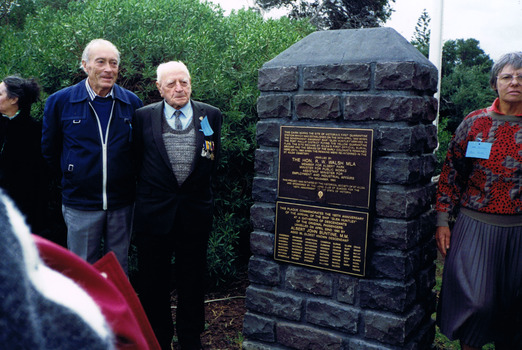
point(177, 142)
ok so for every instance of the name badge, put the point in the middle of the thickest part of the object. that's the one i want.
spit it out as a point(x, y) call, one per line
point(477, 149)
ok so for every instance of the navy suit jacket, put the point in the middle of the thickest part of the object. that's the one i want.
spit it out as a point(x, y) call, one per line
point(159, 198)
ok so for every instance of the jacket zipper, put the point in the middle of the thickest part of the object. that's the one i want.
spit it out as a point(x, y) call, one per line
point(103, 140)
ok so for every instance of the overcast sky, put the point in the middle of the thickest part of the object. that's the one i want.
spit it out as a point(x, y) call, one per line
point(495, 24)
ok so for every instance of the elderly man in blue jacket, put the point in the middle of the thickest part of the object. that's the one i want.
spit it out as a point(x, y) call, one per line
point(87, 140)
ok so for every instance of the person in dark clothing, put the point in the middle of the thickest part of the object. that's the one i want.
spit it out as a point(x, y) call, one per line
point(178, 144)
point(22, 168)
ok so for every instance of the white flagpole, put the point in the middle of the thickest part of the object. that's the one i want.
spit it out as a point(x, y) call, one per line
point(435, 53)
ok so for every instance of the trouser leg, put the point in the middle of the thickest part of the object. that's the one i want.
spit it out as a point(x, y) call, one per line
point(84, 232)
point(153, 285)
point(117, 238)
point(191, 258)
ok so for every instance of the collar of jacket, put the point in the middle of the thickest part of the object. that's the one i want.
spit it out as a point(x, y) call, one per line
point(79, 93)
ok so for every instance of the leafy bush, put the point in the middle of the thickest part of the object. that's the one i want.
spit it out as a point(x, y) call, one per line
point(223, 54)
point(444, 137)
point(465, 90)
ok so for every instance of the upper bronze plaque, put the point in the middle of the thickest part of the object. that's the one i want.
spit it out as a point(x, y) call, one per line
point(326, 165)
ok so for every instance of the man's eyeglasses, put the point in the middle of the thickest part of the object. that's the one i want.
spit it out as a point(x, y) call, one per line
point(508, 78)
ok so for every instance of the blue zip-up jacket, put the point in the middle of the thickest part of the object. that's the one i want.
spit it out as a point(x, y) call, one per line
point(97, 171)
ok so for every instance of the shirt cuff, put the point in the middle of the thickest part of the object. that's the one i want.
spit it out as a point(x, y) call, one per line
point(442, 218)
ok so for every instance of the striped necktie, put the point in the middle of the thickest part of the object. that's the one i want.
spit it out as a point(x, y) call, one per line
point(177, 120)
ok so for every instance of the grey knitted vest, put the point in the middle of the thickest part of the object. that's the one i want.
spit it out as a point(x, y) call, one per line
point(181, 147)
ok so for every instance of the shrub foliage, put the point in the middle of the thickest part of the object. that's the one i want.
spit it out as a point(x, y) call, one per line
point(222, 52)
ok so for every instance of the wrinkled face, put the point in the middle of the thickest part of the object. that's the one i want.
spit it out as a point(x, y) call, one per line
point(102, 68)
point(509, 90)
point(174, 86)
point(8, 106)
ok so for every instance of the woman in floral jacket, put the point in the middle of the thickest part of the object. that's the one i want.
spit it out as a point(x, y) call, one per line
point(481, 183)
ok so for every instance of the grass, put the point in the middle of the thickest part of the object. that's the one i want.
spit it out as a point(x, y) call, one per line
point(238, 340)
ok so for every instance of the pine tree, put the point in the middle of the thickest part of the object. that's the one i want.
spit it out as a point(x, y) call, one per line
point(421, 37)
point(335, 14)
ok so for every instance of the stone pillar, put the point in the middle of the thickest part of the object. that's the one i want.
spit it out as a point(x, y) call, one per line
point(368, 79)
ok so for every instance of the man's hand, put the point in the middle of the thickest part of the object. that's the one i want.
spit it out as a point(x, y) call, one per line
point(442, 235)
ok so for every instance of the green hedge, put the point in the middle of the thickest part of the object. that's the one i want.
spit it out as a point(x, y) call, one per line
point(223, 54)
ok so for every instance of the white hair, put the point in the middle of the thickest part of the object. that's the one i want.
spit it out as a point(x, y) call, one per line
point(168, 66)
point(97, 42)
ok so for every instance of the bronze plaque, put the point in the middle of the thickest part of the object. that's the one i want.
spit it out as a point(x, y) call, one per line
point(326, 238)
point(326, 165)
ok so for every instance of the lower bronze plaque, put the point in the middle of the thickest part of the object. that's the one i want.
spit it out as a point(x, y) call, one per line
point(325, 238)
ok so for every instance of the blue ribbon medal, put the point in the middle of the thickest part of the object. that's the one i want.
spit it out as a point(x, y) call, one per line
point(208, 146)
point(205, 127)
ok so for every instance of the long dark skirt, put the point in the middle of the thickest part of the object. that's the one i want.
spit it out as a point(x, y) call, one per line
point(481, 295)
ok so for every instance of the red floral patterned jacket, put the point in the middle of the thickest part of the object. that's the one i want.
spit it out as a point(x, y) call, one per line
point(493, 185)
